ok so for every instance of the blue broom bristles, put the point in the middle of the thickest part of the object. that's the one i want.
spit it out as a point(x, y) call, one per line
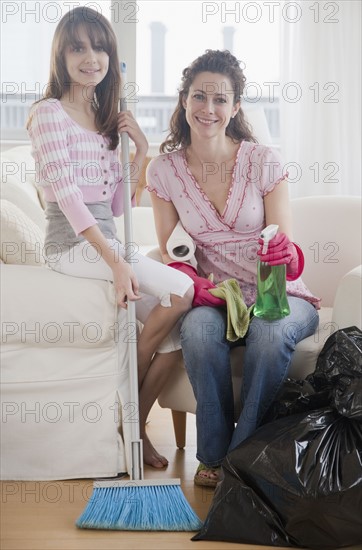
point(131, 508)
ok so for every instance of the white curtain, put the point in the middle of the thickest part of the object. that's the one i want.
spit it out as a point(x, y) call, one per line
point(321, 96)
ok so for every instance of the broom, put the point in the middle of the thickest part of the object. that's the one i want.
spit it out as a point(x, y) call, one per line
point(137, 504)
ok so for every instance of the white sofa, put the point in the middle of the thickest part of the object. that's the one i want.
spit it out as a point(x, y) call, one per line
point(62, 360)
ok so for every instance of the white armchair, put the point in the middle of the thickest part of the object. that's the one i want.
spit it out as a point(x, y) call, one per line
point(328, 229)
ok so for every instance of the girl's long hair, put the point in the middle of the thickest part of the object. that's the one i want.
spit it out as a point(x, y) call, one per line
point(106, 96)
point(213, 61)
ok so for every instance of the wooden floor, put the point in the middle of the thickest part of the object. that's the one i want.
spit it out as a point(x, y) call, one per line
point(41, 515)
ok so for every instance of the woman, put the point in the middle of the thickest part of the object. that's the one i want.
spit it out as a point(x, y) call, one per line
point(225, 188)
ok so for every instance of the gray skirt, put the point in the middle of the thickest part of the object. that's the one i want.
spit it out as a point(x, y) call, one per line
point(59, 234)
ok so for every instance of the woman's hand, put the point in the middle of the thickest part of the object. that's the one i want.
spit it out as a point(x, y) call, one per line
point(202, 296)
point(282, 251)
point(125, 284)
point(127, 123)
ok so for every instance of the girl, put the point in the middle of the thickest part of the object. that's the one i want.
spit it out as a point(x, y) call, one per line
point(225, 188)
point(74, 132)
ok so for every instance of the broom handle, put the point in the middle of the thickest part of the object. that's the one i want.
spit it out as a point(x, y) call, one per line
point(136, 453)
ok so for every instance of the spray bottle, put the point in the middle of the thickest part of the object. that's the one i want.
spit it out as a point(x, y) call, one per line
point(271, 301)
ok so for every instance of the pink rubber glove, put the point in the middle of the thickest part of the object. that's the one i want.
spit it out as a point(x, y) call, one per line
point(202, 296)
point(282, 251)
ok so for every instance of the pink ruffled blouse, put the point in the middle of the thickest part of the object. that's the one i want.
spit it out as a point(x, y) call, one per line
point(226, 243)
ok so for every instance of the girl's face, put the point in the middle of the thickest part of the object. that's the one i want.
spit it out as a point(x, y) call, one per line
point(210, 104)
point(86, 64)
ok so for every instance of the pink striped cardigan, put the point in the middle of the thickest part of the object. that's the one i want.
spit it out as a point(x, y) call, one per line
point(73, 165)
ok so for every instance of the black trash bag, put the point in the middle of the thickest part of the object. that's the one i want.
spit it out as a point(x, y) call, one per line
point(339, 371)
point(337, 380)
point(296, 396)
point(296, 482)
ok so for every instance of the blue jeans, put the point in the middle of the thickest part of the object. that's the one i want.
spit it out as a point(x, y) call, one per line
point(269, 346)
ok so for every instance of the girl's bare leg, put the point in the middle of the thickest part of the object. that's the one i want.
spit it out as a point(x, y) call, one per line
point(158, 324)
point(154, 368)
point(153, 382)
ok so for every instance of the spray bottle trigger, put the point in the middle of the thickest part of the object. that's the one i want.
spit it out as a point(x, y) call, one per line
point(267, 235)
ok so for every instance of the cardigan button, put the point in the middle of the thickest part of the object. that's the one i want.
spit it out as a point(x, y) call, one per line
point(104, 192)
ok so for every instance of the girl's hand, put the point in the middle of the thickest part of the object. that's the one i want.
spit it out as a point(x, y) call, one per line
point(125, 284)
point(127, 123)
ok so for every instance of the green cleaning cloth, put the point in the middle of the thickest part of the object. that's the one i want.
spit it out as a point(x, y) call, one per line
point(238, 314)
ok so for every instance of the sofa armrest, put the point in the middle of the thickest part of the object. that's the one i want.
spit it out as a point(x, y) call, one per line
point(348, 300)
point(40, 307)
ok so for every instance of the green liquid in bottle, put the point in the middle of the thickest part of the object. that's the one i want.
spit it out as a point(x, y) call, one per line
point(271, 301)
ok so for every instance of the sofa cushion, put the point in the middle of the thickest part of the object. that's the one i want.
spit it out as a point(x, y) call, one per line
point(22, 196)
point(144, 231)
point(328, 229)
point(18, 161)
point(22, 241)
point(19, 164)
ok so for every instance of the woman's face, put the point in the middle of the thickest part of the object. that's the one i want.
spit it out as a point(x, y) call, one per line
point(86, 64)
point(210, 104)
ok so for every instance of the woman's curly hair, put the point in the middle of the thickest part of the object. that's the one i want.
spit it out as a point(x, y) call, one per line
point(213, 61)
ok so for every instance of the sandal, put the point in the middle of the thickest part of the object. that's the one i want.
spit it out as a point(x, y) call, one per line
point(204, 481)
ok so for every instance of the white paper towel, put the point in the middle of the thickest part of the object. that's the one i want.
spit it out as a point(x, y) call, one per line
point(180, 246)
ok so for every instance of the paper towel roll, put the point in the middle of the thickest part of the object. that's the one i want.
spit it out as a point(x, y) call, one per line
point(180, 246)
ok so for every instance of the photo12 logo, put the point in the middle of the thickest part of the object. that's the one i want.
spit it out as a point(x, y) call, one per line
point(253, 12)
point(52, 12)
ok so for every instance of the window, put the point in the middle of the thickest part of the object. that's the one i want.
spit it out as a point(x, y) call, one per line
point(170, 35)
